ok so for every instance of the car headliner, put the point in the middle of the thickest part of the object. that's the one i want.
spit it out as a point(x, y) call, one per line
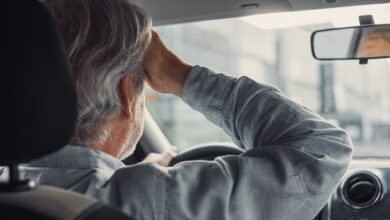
point(179, 11)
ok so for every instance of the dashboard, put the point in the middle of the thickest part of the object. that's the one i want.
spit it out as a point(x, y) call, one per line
point(363, 194)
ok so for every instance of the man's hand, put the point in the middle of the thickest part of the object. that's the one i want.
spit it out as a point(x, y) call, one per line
point(163, 159)
point(376, 44)
point(164, 71)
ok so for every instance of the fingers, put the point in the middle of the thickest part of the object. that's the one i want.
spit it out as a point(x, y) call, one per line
point(163, 159)
point(165, 71)
point(166, 157)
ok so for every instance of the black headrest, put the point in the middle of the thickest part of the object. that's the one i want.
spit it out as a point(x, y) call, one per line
point(38, 100)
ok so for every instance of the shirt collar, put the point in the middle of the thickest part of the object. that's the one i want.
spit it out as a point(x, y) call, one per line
point(78, 157)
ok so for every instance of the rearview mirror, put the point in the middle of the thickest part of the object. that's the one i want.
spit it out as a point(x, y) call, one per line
point(361, 42)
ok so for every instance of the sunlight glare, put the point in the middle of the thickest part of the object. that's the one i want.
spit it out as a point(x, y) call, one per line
point(336, 17)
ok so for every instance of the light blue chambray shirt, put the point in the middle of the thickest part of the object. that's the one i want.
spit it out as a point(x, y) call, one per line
point(293, 162)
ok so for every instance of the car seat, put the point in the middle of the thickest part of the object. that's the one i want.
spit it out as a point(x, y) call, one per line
point(38, 111)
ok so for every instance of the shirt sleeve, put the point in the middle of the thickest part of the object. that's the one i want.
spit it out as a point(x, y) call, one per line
point(294, 158)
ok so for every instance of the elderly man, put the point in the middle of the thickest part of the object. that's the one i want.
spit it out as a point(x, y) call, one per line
point(294, 158)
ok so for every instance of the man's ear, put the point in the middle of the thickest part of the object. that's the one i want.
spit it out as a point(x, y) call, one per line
point(126, 96)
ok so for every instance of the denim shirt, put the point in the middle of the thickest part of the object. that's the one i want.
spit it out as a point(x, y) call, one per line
point(293, 162)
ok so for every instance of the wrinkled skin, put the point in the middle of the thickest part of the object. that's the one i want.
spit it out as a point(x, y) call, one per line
point(376, 44)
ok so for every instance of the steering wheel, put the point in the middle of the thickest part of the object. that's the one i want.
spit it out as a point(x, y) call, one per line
point(206, 152)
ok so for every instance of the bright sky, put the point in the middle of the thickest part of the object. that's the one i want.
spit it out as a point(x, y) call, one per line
point(338, 17)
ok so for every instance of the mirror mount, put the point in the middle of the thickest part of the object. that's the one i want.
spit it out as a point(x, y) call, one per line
point(365, 20)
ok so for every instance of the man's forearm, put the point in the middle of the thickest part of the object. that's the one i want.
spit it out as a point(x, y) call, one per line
point(251, 113)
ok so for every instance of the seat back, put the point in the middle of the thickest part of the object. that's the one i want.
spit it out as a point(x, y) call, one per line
point(49, 203)
point(39, 111)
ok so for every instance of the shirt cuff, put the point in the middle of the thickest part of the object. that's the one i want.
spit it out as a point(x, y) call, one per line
point(186, 95)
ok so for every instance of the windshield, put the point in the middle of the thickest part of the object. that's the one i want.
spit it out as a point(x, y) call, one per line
point(275, 49)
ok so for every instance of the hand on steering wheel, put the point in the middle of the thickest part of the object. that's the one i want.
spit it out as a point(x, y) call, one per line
point(206, 152)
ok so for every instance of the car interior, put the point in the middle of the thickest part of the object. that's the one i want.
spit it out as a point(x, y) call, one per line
point(49, 91)
point(310, 49)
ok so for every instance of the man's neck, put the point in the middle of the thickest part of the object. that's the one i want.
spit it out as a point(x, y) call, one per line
point(116, 139)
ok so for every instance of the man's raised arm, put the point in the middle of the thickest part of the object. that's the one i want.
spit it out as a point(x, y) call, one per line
point(294, 158)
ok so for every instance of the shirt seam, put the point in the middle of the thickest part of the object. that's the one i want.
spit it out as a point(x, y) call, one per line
point(297, 173)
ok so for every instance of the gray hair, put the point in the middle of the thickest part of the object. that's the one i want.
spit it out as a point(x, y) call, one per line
point(105, 40)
